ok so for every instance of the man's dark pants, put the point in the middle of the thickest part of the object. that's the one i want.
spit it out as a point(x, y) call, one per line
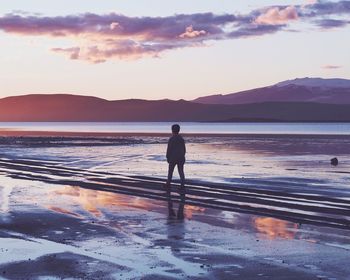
point(180, 168)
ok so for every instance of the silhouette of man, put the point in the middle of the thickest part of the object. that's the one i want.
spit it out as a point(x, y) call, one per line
point(180, 211)
point(175, 155)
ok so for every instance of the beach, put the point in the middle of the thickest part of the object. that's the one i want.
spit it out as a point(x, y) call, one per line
point(97, 184)
point(93, 206)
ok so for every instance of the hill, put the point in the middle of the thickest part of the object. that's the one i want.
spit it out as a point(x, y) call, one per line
point(315, 90)
point(64, 107)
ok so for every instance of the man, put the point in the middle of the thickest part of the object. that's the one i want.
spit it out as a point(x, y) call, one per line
point(175, 155)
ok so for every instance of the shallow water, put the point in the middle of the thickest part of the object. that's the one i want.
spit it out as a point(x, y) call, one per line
point(286, 160)
point(119, 236)
point(280, 174)
point(50, 219)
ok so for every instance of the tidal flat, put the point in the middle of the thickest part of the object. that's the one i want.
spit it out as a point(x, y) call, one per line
point(94, 207)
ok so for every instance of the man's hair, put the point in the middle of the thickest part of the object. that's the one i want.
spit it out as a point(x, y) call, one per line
point(175, 128)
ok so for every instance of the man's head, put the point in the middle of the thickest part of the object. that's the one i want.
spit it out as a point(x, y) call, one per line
point(175, 128)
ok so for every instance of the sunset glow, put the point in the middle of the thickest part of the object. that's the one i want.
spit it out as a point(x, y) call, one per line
point(275, 228)
point(93, 201)
point(118, 51)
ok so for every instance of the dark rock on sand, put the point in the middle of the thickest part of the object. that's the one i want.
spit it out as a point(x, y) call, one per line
point(334, 161)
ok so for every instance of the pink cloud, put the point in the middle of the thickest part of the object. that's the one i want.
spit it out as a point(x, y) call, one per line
point(311, 2)
point(114, 25)
point(73, 53)
point(277, 16)
point(191, 33)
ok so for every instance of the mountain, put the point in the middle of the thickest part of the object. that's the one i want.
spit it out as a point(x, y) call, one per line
point(316, 90)
point(65, 107)
point(317, 82)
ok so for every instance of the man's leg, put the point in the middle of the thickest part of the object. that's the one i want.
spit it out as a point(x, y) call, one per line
point(180, 169)
point(170, 173)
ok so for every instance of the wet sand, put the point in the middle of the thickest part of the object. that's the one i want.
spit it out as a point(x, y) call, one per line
point(60, 219)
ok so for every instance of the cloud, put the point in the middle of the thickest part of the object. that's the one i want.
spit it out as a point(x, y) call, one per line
point(191, 33)
point(325, 8)
point(73, 53)
point(97, 38)
point(278, 16)
point(331, 67)
point(122, 49)
point(310, 2)
point(255, 30)
point(103, 37)
point(114, 25)
point(331, 23)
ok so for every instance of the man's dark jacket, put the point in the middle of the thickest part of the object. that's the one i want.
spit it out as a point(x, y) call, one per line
point(176, 149)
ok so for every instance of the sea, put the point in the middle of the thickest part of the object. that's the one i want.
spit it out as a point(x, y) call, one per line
point(186, 127)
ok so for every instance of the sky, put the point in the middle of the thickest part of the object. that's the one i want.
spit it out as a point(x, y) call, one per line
point(156, 49)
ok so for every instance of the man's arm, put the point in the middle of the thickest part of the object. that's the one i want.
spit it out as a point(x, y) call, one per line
point(168, 151)
point(184, 147)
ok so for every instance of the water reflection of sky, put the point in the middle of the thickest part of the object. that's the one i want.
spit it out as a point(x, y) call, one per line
point(101, 205)
point(114, 210)
point(5, 198)
point(94, 202)
point(275, 228)
point(72, 200)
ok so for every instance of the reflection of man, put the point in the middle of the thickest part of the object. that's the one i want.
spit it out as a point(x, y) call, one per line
point(175, 155)
point(176, 229)
point(180, 211)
